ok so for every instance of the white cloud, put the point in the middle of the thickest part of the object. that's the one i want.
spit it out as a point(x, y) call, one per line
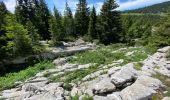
point(10, 4)
point(133, 4)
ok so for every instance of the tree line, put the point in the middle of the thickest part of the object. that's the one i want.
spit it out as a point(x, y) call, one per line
point(32, 21)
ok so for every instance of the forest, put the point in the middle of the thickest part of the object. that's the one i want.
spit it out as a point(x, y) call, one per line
point(32, 22)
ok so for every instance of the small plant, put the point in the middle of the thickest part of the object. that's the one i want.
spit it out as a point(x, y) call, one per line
point(67, 86)
point(85, 97)
point(138, 66)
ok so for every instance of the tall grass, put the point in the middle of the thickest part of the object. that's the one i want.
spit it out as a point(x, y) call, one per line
point(8, 80)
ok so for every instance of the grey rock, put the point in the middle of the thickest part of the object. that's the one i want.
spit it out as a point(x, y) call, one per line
point(137, 92)
point(126, 74)
point(164, 50)
point(149, 82)
point(104, 86)
point(166, 98)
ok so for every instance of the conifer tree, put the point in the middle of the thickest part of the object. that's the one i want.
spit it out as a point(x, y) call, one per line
point(43, 15)
point(3, 39)
point(68, 21)
point(92, 24)
point(20, 41)
point(110, 27)
point(82, 18)
point(56, 28)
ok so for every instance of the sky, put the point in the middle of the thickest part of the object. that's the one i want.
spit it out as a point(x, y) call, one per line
point(60, 4)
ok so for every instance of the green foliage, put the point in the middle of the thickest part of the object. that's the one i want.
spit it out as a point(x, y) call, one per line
point(92, 32)
point(68, 22)
point(137, 28)
point(160, 37)
point(81, 18)
point(109, 32)
point(85, 97)
point(157, 8)
point(138, 66)
point(165, 81)
point(21, 41)
point(8, 80)
point(35, 11)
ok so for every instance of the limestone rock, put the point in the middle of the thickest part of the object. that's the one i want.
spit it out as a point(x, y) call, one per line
point(126, 74)
point(104, 86)
point(137, 92)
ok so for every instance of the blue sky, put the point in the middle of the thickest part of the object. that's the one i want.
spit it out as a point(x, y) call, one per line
point(123, 4)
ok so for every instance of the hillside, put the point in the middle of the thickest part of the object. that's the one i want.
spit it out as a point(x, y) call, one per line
point(157, 8)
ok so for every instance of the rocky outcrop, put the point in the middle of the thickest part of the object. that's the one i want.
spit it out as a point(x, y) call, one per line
point(158, 63)
point(109, 82)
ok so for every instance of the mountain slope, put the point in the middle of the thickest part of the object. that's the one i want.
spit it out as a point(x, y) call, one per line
point(157, 8)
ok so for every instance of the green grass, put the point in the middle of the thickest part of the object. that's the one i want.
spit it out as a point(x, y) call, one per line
point(8, 80)
point(85, 97)
point(138, 66)
point(74, 76)
point(106, 55)
point(164, 80)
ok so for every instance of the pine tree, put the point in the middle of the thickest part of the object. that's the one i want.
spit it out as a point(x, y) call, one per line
point(56, 28)
point(92, 24)
point(19, 40)
point(33, 33)
point(3, 39)
point(35, 11)
point(82, 18)
point(110, 22)
point(68, 21)
point(43, 15)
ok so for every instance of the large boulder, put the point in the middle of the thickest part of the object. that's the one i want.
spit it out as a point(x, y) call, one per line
point(149, 82)
point(126, 74)
point(104, 86)
point(137, 92)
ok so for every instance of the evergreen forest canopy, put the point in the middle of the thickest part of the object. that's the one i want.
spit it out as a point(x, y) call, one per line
point(32, 21)
point(157, 8)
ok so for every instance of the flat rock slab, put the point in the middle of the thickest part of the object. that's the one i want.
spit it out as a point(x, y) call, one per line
point(137, 92)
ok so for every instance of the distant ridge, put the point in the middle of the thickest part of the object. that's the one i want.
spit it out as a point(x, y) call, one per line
point(157, 8)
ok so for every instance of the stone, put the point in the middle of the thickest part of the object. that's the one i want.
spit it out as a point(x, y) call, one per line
point(126, 74)
point(149, 82)
point(164, 50)
point(114, 96)
point(60, 61)
point(75, 91)
point(100, 98)
point(104, 86)
point(137, 92)
point(45, 96)
point(166, 98)
point(31, 88)
point(113, 70)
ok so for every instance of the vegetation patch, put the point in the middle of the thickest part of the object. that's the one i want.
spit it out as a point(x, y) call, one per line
point(8, 80)
point(138, 66)
point(166, 81)
point(85, 97)
point(75, 76)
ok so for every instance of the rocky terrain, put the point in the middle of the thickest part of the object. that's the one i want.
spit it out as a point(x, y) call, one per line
point(115, 81)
